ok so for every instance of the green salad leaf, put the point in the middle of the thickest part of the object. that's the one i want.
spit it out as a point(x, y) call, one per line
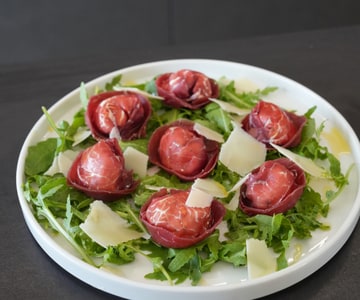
point(229, 93)
point(40, 157)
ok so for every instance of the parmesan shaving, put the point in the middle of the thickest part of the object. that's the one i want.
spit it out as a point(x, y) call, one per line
point(261, 260)
point(135, 90)
point(242, 153)
point(211, 187)
point(305, 163)
point(136, 161)
point(208, 133)
point(106, 227)
point(198, 198)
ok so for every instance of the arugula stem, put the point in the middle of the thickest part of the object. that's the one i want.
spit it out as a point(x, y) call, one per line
point(56, 225)
point(250, 227)
point(136, 219)
point(159, 266)
point(51, 122)
point(237, 100)
point(46, 212)
point(53, 125)
point(341, 188)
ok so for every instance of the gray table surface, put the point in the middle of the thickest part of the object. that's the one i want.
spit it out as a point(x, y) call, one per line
point(326, 61)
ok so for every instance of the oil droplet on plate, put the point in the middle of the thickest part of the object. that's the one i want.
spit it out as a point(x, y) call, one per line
point(336, 141)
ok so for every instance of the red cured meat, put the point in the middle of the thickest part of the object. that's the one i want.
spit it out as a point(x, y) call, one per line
point(171, 213)
point(99, 172)
point(180, 150)
point(272, 188)
point(268, 123)
point(173, 224)
point(129, 112)
point(186, 88)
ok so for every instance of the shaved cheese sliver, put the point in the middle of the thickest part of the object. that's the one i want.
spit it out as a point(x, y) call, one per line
point(81, 135)
point(62, 162)
point(198, 198)
point(261, 260)
point(115, 133)
point(154, 187)
point(106, 227)
point(305, 163)
point(234, 202)
point(65, 160)
point(239, 183)
point(245, 85)
point(211, 187)
point(135, 90)
point(54, 168)
point(208, 133)
point(241, 152)
point(153, 170)
point(136, 160)
point(230, 108)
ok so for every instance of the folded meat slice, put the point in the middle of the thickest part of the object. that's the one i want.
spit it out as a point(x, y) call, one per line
point(126, 112)
point(272, 188)
point(178, 149)
point(171, 223)
point(268, 123)
point(99, 171)
point(171, 213)
point(182, 150)
point(186, 88)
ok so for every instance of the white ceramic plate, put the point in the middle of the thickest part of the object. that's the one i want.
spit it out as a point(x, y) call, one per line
point(224, 282)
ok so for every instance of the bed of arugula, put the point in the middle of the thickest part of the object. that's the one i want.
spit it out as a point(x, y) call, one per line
point(61, 209)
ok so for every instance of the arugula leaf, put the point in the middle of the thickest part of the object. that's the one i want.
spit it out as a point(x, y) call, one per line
point(40, 157)
point(129, 213)
point(150, 87)
point(41, 206)
point(227, 178)
point(281, 261)
point(149, 184)
point(304, 216)
point(109, 86)
point(180, 257)
point(219, 117)
point(234, 252)
point(138, 144)
point(310, 147)
point(195, 273)
point(248, 100)
point(120, 254)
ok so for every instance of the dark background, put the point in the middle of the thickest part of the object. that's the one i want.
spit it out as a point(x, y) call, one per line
point(42, 29)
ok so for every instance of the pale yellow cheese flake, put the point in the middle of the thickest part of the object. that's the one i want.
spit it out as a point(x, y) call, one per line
point(106, 227)
point(241, 152)
point(261, 260)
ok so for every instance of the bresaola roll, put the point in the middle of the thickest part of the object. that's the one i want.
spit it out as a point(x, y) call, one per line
point(186, 88)
point(99, 171)
point(268, 123)
point(272, 188)
point(124, 112)
point(171, 223)
point(178, 149)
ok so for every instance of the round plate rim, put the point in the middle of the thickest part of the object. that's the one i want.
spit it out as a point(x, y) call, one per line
point(249, 289)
